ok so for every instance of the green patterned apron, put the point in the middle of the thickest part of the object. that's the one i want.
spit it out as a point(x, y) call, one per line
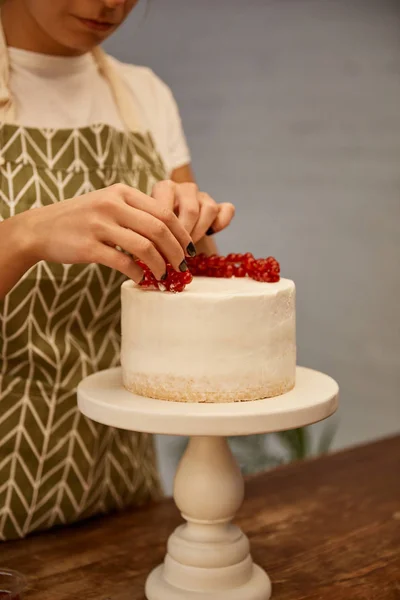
point(59, 324)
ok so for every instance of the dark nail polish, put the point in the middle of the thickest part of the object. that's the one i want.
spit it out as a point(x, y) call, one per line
point(183, 266)
point(164, 277)
point(210, 231)
point(191, 250)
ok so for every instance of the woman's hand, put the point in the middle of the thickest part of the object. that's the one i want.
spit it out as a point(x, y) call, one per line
point(88, 228)
point(196, 210)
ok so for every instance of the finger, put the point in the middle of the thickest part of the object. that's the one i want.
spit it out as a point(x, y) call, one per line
point(139, 246)
point(189, 205)
point(154, 230)
point(208, 213)
point(140, 201)
point(226, 212)
point(114, 259)
point(164, 193)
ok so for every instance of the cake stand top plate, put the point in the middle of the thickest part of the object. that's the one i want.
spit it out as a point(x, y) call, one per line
point(102, 398)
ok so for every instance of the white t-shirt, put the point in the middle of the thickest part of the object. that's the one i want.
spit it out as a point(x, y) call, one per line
point(69, 92)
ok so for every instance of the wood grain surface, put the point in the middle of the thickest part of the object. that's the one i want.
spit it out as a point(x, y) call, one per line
point(326, 529)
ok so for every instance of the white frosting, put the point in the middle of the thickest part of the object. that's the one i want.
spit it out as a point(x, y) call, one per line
point(220, 340)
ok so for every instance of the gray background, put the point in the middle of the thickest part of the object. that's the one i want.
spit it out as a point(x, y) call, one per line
point(292, 112)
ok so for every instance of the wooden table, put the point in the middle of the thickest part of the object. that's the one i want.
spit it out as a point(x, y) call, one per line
point(326, 529)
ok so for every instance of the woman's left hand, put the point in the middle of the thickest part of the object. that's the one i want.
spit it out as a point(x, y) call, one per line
point(196, 210)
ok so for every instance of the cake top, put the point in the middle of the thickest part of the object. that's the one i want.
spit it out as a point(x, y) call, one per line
point(218, 287)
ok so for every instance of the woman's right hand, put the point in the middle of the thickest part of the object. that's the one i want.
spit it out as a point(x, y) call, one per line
point(88, 228)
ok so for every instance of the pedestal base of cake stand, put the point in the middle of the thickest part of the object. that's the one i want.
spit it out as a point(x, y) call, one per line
point(208, 558)
point(257, 587)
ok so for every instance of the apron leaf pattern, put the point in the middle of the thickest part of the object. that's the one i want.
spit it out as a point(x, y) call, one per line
point(59, 324)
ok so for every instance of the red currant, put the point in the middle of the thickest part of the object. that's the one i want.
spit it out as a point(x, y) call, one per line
point(202, 266)
point(187, 278)
point(229, 271)
point(221, 261)
point(240, 272)
point(179, 286)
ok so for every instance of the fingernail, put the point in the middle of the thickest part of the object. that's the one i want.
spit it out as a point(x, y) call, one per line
point(164, 277)
point(183, 266)
point(191, 250)
point(210, 231)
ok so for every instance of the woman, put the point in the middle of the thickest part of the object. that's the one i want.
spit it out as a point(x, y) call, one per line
point(93, 159)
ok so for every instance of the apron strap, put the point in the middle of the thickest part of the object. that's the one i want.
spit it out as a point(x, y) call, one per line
point(121, 94)
point(123, 99)
point(7, 106)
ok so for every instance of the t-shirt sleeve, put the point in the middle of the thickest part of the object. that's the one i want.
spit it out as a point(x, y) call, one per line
point(177, 151)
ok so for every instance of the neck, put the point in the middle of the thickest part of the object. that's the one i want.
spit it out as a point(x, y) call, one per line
point(22, 31)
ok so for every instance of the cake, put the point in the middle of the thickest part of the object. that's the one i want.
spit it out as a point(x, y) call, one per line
point(220, 340)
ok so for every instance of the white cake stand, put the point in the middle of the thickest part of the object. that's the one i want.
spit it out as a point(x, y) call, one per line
point(208, 558)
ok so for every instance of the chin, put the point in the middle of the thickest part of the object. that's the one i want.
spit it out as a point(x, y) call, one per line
point(80, 44)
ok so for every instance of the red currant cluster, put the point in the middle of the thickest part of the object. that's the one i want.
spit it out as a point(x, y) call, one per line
point(236, 265)
point(174, 282)
point(233, 265)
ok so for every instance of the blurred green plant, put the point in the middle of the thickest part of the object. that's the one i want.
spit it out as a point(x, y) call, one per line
point(261, 452)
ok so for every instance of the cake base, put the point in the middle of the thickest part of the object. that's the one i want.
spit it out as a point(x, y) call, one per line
point(179, 389)
point(257, 588)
